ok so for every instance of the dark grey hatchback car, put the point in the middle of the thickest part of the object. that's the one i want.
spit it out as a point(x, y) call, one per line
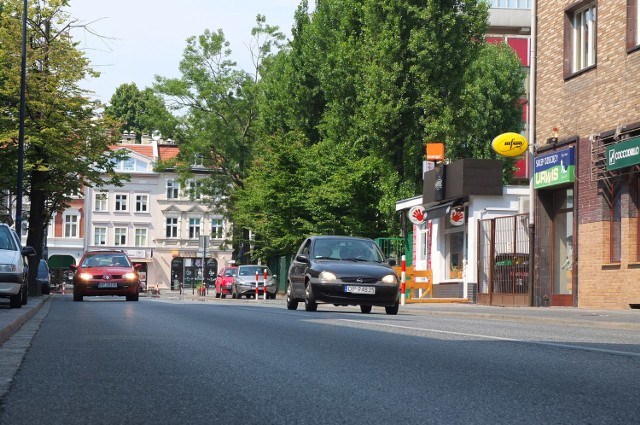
point(342, 270)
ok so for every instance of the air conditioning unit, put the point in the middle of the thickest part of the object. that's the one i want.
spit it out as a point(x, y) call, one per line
point(523, 205)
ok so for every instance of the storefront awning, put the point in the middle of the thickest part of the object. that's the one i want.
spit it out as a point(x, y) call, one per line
point(60, 261)
point(438, 211)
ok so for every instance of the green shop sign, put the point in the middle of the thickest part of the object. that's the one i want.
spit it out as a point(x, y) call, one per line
point(623, 154)
point(554, 168)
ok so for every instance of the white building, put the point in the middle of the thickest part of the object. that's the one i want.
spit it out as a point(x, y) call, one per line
point(151, 217)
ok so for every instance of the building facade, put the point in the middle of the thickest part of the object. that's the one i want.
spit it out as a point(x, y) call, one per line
point(587, 174)
point(160, 223)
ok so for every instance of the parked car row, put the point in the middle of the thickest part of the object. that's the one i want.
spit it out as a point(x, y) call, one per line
point(13, 267)
point(241, 281)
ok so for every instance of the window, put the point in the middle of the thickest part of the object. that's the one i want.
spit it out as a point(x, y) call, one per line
point(172, 227)
point(120, 236)
point(141, 237)
point(172, 189)
point(100, 236)
point(100, 203)
point(633, 24)
point(122, 202)
point(130, 164)
point(580, 38)
point(195, 189)
point(71, 226)
point(510, 4)
point(217, 227)
point(194, 228)
point(142, 202)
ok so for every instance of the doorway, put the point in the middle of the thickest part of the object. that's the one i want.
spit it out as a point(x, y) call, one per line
point(563, 261)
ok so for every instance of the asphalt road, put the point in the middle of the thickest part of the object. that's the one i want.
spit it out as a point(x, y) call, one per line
point(159, 361)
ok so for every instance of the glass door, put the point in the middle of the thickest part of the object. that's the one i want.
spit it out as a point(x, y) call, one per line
point(563, 248)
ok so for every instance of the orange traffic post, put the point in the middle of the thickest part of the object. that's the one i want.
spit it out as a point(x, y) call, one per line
point(403, 279)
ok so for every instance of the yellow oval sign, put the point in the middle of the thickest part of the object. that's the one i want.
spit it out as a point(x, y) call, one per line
point(510, 144)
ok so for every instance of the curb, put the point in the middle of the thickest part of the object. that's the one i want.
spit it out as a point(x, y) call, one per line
point(13, 327)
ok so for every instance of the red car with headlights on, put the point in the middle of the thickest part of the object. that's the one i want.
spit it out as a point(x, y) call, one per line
point(224, 281)
point(105, 273)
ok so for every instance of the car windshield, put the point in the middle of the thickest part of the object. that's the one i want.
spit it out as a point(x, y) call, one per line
point(252, 270)
point(230, 272)
point(106, 260)
point(347, 249)
point(6, 240)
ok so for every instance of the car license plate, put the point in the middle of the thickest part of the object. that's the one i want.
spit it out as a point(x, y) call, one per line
point(107, 285)
point(360, 289)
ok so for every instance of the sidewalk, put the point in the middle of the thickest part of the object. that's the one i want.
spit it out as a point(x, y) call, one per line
point(11, 319)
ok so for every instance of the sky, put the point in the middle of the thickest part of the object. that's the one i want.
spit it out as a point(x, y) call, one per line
point(138, 39)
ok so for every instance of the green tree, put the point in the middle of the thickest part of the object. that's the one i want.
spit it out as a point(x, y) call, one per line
point(142, 112)
point(66, 146)
point(363, 87)
point(220, 104)
point(491, 104)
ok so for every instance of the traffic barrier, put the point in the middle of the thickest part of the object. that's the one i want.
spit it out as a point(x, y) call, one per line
point(409, 284)
point(403, 280)
point(264, 285)
point(257, 289)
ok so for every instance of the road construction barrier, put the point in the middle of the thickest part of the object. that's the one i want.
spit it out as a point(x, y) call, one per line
point(412, 280)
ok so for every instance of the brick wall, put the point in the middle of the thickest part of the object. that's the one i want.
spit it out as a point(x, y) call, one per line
point(598, 100)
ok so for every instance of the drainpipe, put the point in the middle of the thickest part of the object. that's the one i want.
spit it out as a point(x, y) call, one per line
point(532, 142)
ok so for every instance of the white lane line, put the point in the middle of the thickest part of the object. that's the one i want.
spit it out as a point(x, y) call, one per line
point(498, 338)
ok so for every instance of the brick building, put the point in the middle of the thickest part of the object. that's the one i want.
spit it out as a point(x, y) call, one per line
point(587, 154)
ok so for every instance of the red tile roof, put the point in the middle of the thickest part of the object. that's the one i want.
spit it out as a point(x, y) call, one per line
point(146, 150)
point(168, 151)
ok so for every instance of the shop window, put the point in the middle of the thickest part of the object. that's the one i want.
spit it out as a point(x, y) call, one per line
point(455, 253)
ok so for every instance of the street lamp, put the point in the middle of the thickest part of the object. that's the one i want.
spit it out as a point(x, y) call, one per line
point(23, 83)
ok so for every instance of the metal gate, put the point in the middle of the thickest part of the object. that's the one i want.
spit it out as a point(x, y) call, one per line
point(503, 261)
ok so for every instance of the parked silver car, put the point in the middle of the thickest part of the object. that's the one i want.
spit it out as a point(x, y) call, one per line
point(13, 267)
point(244, 282)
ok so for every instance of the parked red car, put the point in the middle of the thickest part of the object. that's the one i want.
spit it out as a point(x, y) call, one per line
point(224, 281)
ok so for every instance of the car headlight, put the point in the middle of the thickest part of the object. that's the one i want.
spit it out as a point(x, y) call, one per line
point(390, 279)
point(326, 277)
point(85, 276)
point(7, 268)
point(130, 276)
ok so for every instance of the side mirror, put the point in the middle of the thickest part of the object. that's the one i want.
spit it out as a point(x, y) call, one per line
point(137, 266)
point(73, 267)
point(302, 258)
point(28, 251)
point(392, 262)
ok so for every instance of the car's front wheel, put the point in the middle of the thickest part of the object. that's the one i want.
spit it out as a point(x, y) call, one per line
point(77, 297)
point(218, 294)
point(15, 301)
point(309, 300)
point(292, 304)
point(393, 310)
